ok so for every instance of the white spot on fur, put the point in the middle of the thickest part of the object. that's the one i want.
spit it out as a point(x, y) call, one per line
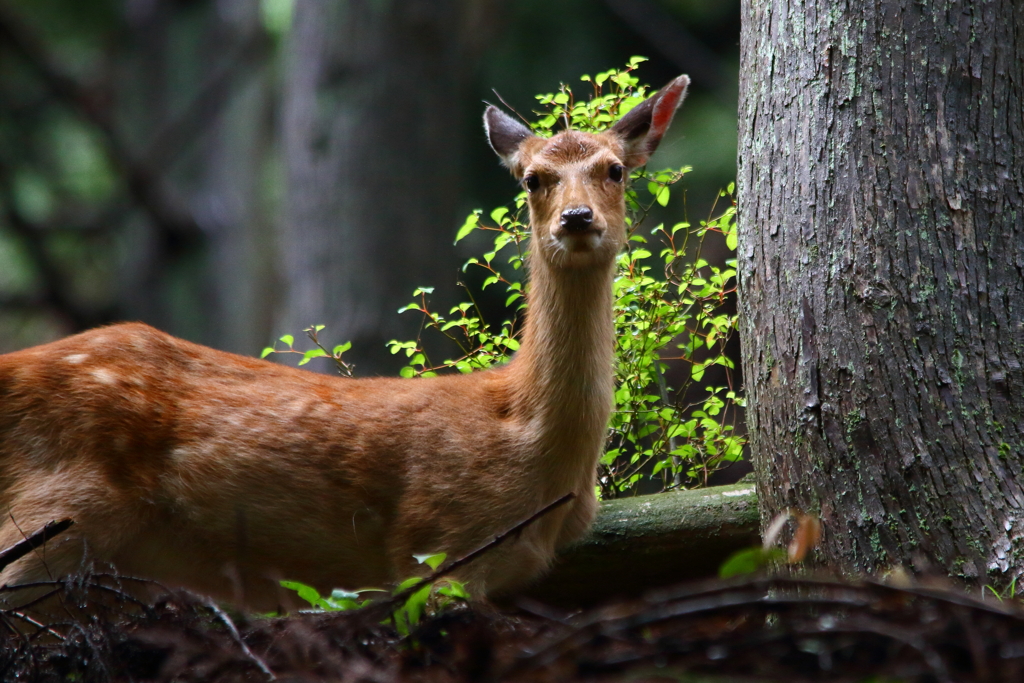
point(76, 358)
point(104, 376)
point(182, 454)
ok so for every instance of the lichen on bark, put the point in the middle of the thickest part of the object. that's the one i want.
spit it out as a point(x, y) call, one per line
point(881, 259)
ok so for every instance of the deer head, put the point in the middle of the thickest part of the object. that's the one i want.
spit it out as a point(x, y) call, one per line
point(576, 181)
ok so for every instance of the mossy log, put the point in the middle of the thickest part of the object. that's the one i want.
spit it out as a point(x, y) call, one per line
point(646, 542)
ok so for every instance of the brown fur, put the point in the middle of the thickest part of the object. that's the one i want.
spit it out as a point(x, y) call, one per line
point(223, 474)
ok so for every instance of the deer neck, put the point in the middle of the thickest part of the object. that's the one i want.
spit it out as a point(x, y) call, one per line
point(562, 374)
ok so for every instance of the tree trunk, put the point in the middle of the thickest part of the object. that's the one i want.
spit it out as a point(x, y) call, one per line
point(195, 104)
point(231, 199)
point(371, 110)
point(881, 186)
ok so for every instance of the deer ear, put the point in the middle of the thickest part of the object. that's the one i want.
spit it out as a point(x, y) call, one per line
point(643, 127)
point(505, 134)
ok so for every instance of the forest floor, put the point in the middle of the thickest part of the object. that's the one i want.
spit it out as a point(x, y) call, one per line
point(748, 629)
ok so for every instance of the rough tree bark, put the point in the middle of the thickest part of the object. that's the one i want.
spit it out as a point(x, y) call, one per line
point(881, 188)
point(373, 168)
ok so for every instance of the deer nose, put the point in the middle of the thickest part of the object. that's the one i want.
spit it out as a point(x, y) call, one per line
point(577, 218)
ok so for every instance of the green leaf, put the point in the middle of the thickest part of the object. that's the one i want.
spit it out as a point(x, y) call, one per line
point(409, 616)
point(342, 348)
point(407, 372)
point(288, 339)
point(454, 589)
point(307, 593)
point(498, 214)
point(311, 354)
point(748, 561)
point(267, 351)
point(697, 372)
point(628, 104)
point(431, 560)
point(662, 195)
point(471, 224)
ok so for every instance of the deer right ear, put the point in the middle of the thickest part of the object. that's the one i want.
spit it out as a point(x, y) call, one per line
point(643, 127)
point(505, 134)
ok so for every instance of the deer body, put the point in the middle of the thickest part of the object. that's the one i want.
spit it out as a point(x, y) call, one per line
point(224, 474)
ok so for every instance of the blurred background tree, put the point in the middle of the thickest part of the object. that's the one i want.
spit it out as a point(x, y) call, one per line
point(233, 170)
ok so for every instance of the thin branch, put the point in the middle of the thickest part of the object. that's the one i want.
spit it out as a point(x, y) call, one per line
point(403, 595)
point(509, 107)
point(226, 620)
point(30, 543)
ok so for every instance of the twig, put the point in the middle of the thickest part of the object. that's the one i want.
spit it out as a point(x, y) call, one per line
point(260, 664)
point(42, 628)
point(509, 107)
point(403, 595)
point(30, 543)
point(59, 590)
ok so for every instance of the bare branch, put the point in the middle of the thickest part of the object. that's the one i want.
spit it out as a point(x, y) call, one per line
point(30, 543)
point(226, 620)
point(401, 596)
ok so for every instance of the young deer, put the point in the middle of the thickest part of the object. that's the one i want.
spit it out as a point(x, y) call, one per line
point(224, 474)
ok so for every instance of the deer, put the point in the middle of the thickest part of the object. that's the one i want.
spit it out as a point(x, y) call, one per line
point(224, 474)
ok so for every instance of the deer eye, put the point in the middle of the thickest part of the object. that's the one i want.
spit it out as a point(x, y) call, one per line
point(531, 182)
point(615, 172)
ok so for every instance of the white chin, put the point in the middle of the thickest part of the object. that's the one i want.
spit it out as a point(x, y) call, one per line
point(580, 242)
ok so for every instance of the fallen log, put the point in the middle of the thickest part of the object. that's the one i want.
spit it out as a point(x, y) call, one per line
point(647, 542)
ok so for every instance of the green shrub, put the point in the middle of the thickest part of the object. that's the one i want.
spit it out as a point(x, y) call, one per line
point(671, 313)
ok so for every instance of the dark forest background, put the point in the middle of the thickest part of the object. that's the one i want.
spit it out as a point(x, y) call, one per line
point(233, 170)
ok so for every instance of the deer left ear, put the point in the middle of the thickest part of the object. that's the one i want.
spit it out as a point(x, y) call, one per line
point(643, 127)
point(505, 135)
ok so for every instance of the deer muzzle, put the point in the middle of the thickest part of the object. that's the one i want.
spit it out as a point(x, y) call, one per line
point(577, 219)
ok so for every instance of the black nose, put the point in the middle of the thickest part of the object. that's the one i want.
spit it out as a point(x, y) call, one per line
point(577, 218)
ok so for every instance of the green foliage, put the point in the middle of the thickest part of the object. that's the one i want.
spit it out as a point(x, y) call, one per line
point(1008, 593)
point(318, 350)
point(338, 601)
point(671, 322)
point(601, 109)
point(408, 613)
point(750, 560)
